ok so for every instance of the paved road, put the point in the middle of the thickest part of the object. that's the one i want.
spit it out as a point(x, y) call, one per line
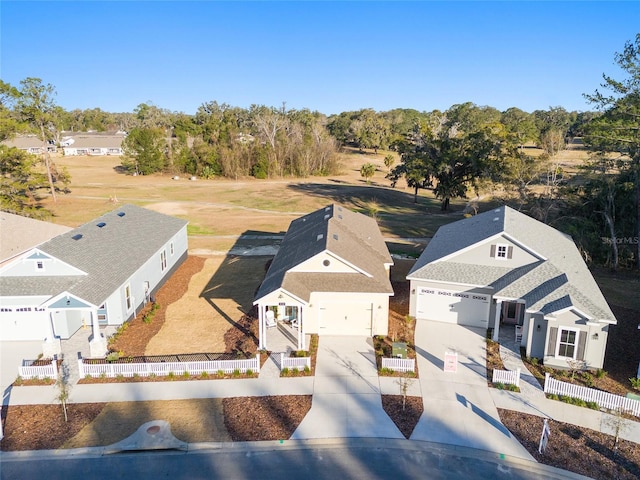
point(358, 458)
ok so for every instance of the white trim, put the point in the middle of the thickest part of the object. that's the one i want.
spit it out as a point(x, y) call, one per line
point(470, 285)
point(128, 299)
point(575, 345)
point(500, 246)
point(24, 257)
point(331, 254)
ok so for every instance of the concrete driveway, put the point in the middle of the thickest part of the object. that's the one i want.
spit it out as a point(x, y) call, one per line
point(346, 393)
point(458, 408)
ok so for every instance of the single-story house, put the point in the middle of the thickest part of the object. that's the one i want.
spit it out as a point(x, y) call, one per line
point(93, 144)
point(503, 269)
point(18, 234)
point(98, 274)
point(330, 277)
point(30, 144)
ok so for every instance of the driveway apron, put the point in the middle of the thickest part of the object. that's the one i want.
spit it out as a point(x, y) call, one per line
point(458, 408)
point(346, 393)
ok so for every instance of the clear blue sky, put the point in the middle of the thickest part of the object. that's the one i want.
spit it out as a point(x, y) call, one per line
point(325, 56)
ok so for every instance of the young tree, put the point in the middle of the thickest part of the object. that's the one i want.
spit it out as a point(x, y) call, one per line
point(37, 107)
point(618, 128)
point(367, 171)
point(8, 122)
point(20, 182)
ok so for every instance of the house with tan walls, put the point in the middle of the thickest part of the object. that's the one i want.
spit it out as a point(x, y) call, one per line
point(330, 277)
point(502, 269)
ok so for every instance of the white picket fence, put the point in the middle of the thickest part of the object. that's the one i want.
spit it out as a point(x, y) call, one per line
point(399, 364)
point(603, 399)
point(294, 363)
point(163, 369)
point(508, 377)
point(28, 371)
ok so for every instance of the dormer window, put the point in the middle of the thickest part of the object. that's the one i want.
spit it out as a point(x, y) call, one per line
point(501, 251)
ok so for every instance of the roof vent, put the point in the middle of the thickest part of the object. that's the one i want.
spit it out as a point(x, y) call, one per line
point(326, 209)
point(77, 236)
point(340, 217)
point(326, 217)
point(121, 214)
point(101, 224)
point(496, 219)
point(335, 236)
point(320, 237)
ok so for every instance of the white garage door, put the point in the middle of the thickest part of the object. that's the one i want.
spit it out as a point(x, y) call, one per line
point(345, 318)
point(463, 308)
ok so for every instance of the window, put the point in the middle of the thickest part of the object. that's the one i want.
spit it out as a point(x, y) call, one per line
point(501, 251)
point(567, 343)
point(40, 265)
point(127, 296)
point(163, 260)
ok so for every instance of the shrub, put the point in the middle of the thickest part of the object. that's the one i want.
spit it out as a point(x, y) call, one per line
point(186, 374)
point(18, 381)
point(249, 372)
point(588, 379)
point(635, 383)
point(220, 373)
point(593, 406)
point(88, 376)
point(534, 360)
point(135, 375)
point(171, 375)
point(152, 375)
point(285, 371)
point(204, 374)
point(386, 371)
point(601, 373)
point(512, 388)
point(307, 369)
point(236, 373)
point(113, 356)
point(120, 376)
point(103, 375)
point(499, 385)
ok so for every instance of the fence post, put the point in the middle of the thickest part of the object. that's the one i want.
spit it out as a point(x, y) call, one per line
point(546, 381)
point(54, 364)
point(81, 367)
point(258, 363)
point(518, 377)
point(281, 360)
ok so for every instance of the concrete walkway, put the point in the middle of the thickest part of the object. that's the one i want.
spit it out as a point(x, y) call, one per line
point(346, 393)
point(458, 408)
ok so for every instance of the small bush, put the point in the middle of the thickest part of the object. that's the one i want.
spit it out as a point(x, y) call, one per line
point(120, 376)
point(152, 375)
point(512, 388)
point(588, 379)
point(499, 385)
point(635, 383)
point(593, 406)
point(236, 373)
point(534, 360)
point(601, 373)
point(103, 375)
point(113, 356)
point(285, 371)
point(171, 375)
point(204, 375)
point(18, 381)
point(249, 372)
point(135, 375)
point(386, 371)
point(307, 369)
point(186, 374)
point(88, 376)
point(220, 373)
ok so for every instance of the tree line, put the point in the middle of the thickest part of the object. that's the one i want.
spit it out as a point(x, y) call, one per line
point(466, 148)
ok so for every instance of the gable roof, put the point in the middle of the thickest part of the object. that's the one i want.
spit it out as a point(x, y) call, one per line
point(559, 279)
point(353, 237)
point(109, 255)
point(18, 234)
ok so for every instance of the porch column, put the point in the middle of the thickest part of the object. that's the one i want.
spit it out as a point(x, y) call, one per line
point(496, 320)
point(261, 329)
point(97, 344)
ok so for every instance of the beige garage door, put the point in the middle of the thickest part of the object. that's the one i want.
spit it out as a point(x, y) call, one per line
point(345, 319)
point(463, 308)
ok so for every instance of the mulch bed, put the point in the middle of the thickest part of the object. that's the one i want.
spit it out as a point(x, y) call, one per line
point(405, 419)
point(42, 427)
point(578, 450)
point(264, 418)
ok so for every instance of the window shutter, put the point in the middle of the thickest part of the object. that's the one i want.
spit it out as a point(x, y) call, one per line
point(509, 252)
point(493, 251)
point(553, 337)
point(582, 341)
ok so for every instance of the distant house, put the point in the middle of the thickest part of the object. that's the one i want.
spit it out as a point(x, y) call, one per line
point(30, 144)
point(502, 269)
point(100, 273)
point(93, 144)
point(330, 276)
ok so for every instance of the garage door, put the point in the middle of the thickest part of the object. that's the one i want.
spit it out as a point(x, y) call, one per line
point(463, 308)
point(345, 319)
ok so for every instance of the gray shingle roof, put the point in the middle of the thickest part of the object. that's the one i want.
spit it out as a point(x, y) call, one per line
point(109, 254)
point(560, 275)
point(18, 234)
point(351, 236)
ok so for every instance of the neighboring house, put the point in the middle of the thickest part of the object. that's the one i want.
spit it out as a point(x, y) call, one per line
point(503, 269)
point(100, 273)
point(93, 144)
point(330, 276)
point(18, 234)
point(30, 144)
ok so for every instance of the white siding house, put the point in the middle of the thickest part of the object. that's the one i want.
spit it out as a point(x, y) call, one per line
point(330, 276)
point(502, 269)
point(99, 273)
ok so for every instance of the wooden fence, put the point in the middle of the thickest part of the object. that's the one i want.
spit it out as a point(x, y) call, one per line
point(603, 399)
point(28, 371)
point(399, 364)
point(508, 377)
point(296, 363)
point(163, 369)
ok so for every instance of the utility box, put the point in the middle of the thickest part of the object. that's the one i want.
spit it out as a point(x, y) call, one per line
point(399, 350)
